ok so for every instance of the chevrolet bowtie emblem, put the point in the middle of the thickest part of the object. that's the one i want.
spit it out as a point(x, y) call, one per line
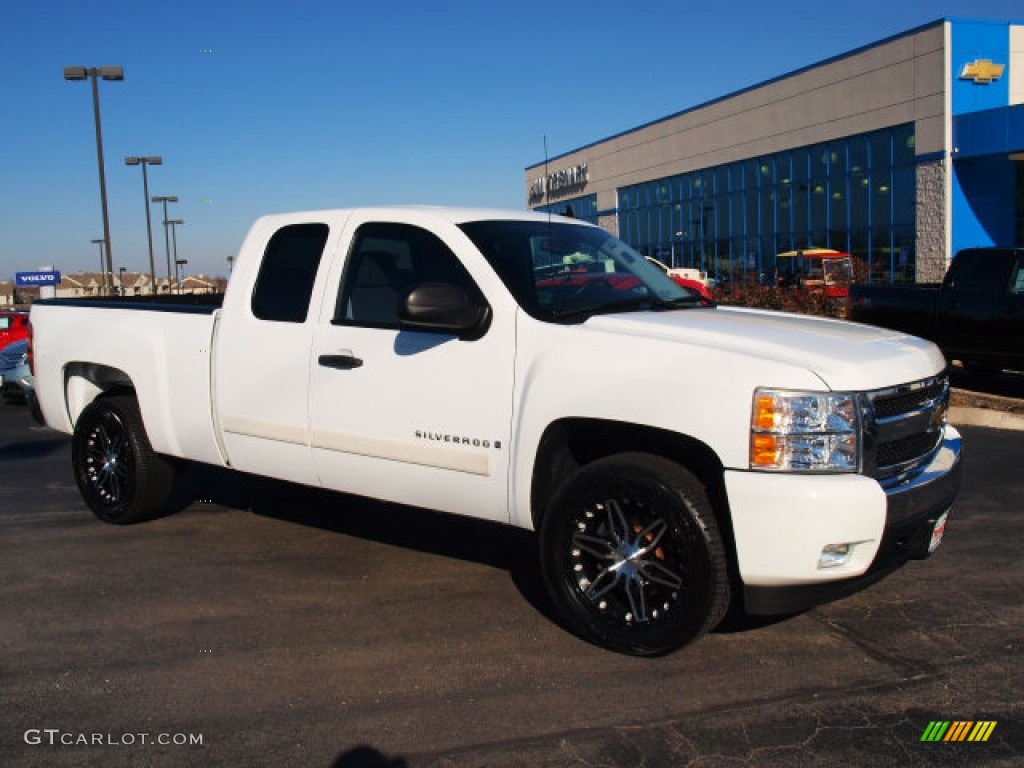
point(982, 71)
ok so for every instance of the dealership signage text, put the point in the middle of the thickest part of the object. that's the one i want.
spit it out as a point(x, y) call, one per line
point(560, 182)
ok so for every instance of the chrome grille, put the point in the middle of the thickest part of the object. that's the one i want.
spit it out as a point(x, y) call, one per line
point(903, 428)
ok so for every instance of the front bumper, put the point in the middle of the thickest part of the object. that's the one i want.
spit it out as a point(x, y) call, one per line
point(888, 528)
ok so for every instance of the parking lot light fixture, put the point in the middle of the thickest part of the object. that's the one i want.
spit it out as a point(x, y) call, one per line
point(99, 241)
point(144, 161)
point(75, 74)
point(174, 239)
point(179, 263)
point(165, 199)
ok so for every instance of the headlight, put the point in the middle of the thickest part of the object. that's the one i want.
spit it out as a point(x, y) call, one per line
point(805, 431)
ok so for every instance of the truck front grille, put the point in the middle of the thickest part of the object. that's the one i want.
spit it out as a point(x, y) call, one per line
point(903, 428)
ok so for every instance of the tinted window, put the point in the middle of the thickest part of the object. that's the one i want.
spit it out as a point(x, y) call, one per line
point(986, 272)
point(285, 282)
point(385, 263)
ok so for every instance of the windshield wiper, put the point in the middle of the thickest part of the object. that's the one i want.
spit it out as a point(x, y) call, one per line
point(627, 305)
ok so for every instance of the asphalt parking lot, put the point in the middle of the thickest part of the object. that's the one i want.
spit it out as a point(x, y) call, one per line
point(279, 626)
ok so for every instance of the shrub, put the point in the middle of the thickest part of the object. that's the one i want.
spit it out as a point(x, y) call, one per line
point(781, 298)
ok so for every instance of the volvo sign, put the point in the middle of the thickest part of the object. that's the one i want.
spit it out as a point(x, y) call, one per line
point(37, 278)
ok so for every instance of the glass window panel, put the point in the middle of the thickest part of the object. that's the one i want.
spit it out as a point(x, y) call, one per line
point(819, 160)
point(860, 189)
point(751, 203)
point(881, 156)
point(819, 208)
point(801, 159)
point(801, 223)
point(858, 155)
point(783, 168)
point(284, 284)
point(766, 201)
point(881, 198)
point(836, 159)
point(750, 174)
point(904, 195)
point(838, 202)
point(905, 261)
point(859, 250)
point(881, 257)
point(903, 144)
point(721, 174)
point(784, 208)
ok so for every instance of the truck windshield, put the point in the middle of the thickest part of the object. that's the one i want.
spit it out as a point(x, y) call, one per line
point(566, 272)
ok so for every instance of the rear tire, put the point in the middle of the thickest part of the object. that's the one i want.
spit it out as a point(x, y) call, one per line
point(119, 475)
point(632, 555)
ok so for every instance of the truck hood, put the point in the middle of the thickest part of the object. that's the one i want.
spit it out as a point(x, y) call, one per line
point(846, 356)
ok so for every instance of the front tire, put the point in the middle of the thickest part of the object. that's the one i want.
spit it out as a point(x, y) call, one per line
point(632, 555)
point(119, 475)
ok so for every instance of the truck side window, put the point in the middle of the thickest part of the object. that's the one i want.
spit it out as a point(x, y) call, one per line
point(285, 282)
point(983, 272)
point(1017, 286)
point(387, 261)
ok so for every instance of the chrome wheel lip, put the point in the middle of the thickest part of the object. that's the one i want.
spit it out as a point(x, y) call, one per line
point(626, 565)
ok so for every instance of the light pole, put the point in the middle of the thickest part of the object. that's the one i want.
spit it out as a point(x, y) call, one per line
point(103, 272)
point(179, 263)
point(167, 241)
point(144, 161)
point(174, 238)
point(120, 278)
point(107, 73)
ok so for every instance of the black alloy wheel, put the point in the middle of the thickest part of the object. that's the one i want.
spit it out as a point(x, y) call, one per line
point(119, 475)
point(632, 555)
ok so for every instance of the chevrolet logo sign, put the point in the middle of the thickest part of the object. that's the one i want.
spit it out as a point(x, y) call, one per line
point(982, 71)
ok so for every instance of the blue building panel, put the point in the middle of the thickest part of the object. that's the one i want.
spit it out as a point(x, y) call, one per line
point(973, 43)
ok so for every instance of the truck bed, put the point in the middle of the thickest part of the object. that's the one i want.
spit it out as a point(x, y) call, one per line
point(159, 348)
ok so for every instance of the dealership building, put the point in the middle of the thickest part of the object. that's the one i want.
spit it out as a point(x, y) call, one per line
point(901, 153)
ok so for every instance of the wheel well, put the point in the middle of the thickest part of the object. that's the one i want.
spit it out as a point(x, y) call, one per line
point(86, 382)
point(570, 444)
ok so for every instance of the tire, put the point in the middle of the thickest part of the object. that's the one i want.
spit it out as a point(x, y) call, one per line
point(632, 556)
point(119, 475)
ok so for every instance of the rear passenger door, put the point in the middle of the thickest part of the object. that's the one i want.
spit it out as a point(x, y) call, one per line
point(262, 346)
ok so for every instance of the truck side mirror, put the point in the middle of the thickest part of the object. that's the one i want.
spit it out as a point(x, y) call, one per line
point(443, 308)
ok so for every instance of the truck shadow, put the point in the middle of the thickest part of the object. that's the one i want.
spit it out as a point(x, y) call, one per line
point(500, 546)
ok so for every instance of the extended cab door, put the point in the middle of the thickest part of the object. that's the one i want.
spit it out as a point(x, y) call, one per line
point(415, 417)
point(263, 344)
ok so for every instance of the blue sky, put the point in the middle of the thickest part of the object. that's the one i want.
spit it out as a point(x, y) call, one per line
point(265, 106)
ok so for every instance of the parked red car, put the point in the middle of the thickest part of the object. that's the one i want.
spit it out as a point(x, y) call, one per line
point(13, 327)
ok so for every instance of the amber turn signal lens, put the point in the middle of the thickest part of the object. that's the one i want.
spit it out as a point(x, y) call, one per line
point(764, 450)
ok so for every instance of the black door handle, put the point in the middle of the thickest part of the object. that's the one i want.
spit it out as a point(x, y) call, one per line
point(339, 361)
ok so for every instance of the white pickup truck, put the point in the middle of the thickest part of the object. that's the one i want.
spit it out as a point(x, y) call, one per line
point(673, 456)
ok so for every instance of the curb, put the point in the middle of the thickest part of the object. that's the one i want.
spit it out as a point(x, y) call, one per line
point(966, 416)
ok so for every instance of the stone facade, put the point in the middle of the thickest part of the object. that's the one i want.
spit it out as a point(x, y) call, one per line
point(610, 223)
point(931, 214)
